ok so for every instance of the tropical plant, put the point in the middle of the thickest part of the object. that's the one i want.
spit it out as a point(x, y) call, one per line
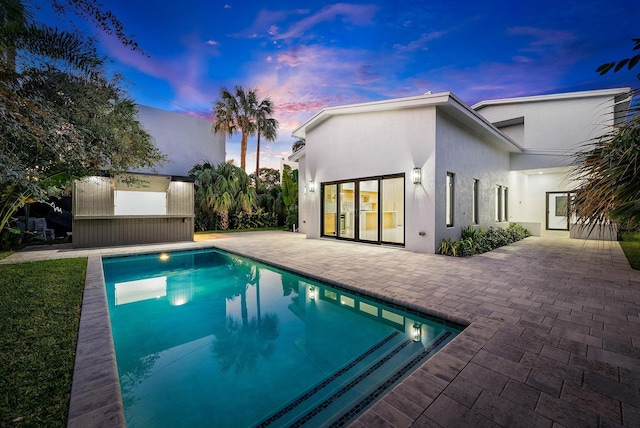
point(290, 195)
point(478, 241)
point(265, 125)
point(235, 112)
point(223, 189)
point(618, 65)
point(62, 114)
point(299, 144)
point(609, 173)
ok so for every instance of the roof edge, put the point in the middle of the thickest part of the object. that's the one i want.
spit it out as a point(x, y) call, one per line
point(552, 97)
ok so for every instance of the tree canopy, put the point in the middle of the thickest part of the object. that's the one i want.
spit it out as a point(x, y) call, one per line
point(63, 115)
point(241, 111)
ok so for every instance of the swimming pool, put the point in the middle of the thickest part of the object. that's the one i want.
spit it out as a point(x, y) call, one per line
point(207, 338)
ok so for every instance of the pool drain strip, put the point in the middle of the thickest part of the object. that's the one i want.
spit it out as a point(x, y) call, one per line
point(288, 408)
point(347, 416)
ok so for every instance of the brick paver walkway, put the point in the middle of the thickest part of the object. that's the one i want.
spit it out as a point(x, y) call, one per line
point(553, 336)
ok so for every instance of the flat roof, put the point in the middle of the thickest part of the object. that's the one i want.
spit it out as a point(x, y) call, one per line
point(553, 97)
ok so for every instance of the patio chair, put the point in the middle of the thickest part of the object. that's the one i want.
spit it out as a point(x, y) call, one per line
point(43, 231)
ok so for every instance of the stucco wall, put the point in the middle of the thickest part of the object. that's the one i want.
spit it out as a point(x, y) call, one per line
point(560, 124)
point(373, 144)
point(462, 153)
point(185, 139)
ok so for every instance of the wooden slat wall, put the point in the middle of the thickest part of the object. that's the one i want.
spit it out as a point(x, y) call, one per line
point(93, 196)
point(130, 231)
point(180, 198)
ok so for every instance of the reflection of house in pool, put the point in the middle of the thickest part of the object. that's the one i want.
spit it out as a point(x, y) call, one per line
point(413, 171)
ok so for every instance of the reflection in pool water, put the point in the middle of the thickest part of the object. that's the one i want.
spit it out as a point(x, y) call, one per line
point(205, 338)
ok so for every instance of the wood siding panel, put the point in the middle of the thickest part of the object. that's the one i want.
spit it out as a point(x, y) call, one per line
point(130, 231)
point(180, 198)
point(93, 196)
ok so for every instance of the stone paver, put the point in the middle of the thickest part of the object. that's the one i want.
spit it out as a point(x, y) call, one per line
point(553, 336)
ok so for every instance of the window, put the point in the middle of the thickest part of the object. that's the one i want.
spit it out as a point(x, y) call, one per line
point(449, 199)
point(474, 203)
point(502, 195)
point(505, 204)
point(498, 203)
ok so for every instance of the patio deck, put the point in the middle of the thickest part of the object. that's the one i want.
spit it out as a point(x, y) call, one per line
point(553, 336)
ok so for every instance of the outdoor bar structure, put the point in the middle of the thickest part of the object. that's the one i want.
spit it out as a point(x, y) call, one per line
point(132, 209)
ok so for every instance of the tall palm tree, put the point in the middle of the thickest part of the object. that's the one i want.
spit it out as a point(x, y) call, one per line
point(266, 125)
point(235, 112)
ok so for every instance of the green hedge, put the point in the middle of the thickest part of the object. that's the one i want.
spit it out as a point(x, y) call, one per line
point(475, 240)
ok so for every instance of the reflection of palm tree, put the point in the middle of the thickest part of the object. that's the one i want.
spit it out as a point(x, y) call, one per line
point(134, 374)
point(241, 344)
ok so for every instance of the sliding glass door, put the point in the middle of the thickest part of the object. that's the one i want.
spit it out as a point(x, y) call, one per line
point(347, 192)
point(367, 209)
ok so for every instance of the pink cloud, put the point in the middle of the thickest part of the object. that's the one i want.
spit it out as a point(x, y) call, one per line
point(354, 13)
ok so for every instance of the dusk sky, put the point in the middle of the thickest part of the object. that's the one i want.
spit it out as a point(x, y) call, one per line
point(315, 54)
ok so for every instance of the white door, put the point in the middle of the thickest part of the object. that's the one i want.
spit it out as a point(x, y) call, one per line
point(558, 210)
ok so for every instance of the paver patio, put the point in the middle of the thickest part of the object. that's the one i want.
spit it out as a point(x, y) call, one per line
point(553, 336)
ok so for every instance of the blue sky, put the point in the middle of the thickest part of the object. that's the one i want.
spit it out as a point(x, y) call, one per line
point(315, 54)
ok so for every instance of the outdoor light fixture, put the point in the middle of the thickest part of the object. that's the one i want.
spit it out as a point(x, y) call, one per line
point(164, 257)
point(312, 293)
point(416, 332)
point(416, 175)
point(312, 186)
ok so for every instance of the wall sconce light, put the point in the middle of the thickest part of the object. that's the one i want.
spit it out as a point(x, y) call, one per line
point(416, 175)
point(416, 332)
point(312, 186)
point(313, 292)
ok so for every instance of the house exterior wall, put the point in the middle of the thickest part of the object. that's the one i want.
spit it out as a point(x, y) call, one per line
point(461, 152)
point(187, 140)
point(556, 124)
point(371, 144)
point(96, 225)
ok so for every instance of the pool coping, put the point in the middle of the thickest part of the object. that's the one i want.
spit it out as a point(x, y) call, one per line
point(96, 398)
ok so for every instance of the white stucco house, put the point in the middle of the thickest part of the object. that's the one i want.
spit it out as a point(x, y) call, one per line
point(413, 171)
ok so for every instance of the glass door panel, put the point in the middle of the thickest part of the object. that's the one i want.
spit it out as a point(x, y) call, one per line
point(368, 210)
point(558, 211)
point(329, 201)
point(346, 221)
point(393, 210)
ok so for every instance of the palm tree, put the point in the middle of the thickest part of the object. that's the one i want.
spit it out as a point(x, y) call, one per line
point(235, 112)
point(299, 144)
point(609, 173)
point(224, 189)
point(267, 126)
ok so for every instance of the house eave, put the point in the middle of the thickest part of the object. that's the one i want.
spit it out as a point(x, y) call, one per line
point(447, 101)
point(552, 97)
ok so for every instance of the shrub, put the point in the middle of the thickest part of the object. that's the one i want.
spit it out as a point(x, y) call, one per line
point(254, 220)
point(292, 218)
point(477, 241)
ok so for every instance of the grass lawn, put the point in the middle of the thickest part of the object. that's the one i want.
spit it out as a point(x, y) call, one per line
point(631, 246)
point(39, 317)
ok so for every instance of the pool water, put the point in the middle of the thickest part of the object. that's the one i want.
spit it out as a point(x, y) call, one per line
point(206, 338)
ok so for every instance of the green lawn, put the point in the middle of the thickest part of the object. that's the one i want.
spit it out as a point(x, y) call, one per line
point(39, 317)
point(630, 244)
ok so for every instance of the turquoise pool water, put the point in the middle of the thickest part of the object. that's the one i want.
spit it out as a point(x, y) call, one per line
point(206, 338)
